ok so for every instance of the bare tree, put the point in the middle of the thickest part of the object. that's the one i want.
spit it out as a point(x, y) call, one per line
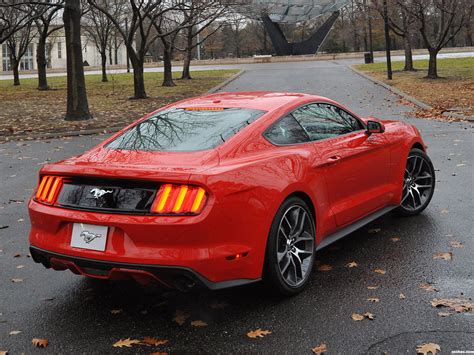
point(13, 17)
point(400, 22)
point(45, 27)
point(77, 104)
point(18, 43)
point(100, 29)
point(136, 32)
point(199, 15)
point(438, 21)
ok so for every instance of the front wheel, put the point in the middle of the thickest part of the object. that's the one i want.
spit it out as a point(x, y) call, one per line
point(290, 248)
point(418, 183)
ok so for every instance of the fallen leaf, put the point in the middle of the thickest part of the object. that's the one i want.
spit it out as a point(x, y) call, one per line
point(258, 333)
point(443, 256)
point(369, 316)
point(180, 317)
point(154, 341)
point(373, 299)
point(395, 239)
point(402, 296)
point(357, 316)
point(428, 348)
point(116, 311)
point(374, 230)
point(17, 280)
point(324, 267)
point(444, 314)
point(126, 343)
point(16, 255)
point(428, 287)
point(198, 323)
point(380, 271)
point(352, 264)
point(320, 349)
point(456, 244)
point(457, 304)
point(374, 287)
point(40, 343)
point(15, 332)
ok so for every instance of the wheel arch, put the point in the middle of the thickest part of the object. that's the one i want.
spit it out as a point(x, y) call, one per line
point(418, 145)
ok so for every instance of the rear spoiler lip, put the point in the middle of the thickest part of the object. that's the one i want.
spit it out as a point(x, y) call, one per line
point(120, 172)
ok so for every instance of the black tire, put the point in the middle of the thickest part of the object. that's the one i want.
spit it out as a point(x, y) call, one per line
point(425, 164)
point(292, 209)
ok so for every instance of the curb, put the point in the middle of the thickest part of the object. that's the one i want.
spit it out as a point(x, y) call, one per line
point(407, 97)
point(226, 82)
point(105, 130)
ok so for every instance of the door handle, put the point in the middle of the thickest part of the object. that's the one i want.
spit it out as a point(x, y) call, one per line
point(331, 160)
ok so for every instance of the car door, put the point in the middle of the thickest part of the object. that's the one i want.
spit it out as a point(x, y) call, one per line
point(354, 163)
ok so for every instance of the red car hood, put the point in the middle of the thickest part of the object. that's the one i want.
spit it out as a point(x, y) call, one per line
point(157, 166)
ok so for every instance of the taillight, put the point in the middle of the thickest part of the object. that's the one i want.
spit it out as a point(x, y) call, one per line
point(179, 199)
point(48, 189)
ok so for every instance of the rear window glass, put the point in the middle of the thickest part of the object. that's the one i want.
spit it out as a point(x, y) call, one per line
point(187, 129)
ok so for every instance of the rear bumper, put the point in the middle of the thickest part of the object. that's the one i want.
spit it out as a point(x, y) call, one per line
point(181, 278)
point(204, 245)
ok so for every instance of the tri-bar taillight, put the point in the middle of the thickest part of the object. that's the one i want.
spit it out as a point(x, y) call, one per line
point(48, 189)
point(179, 199)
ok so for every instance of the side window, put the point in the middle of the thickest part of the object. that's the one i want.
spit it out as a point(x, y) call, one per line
point(350, 120)
point(322, 121)
point(286, 131)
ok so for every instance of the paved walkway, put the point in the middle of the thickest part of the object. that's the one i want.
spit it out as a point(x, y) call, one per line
point(74, 313)
point(179, 68)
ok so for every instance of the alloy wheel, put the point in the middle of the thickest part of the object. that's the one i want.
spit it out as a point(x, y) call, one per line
point(417, 184)
point(295, 246)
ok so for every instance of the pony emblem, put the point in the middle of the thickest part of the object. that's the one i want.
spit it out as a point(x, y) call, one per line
point(98, 193)
point(89, 236)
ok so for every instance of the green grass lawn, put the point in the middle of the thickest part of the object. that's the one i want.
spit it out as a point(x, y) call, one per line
point(447, 67)
point(24, 109)
point(453, 91)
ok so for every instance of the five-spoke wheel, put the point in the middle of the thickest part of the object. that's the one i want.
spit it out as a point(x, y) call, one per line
point(418, 183)
point(290, 249)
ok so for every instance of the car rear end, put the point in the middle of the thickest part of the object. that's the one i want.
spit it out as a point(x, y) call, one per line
point(121, 212)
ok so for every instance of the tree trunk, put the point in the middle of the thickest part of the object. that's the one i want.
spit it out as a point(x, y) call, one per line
point(138, 79)
point(77, 105)
point(432, 66)
point(168, 74)
point(186, 64)
point(16, 73)
point(408, 53)
point(42, 63)
point(187, 55)
point(103, 58)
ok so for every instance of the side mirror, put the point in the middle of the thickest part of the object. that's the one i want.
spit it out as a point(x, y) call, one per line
point(375, 127)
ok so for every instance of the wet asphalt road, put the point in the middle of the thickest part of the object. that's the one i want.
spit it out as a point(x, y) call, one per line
point(75, 313)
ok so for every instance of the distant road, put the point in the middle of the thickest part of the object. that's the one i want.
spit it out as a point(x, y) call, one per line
point(236, 66)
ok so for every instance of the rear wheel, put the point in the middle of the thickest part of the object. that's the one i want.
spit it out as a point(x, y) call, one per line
point(418, 183)
point(290, 248)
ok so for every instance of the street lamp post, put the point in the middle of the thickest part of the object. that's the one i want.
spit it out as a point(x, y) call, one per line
point(387, 39)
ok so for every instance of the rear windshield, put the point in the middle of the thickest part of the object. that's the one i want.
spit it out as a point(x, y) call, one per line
point(187, 129)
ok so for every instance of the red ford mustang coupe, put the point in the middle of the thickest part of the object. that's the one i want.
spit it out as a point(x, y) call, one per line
point(225, 190)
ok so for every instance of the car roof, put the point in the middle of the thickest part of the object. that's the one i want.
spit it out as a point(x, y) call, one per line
point(260, 100)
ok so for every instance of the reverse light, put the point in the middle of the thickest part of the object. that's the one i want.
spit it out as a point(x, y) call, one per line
point(179, 199)
point(48, 189)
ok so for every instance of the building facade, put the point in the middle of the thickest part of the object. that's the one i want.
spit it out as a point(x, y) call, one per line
point(56, 53)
